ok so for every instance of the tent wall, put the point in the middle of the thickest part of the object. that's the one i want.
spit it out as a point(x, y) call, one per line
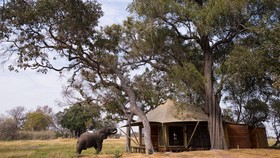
point(188, 136)
point(201, 138)
point(243, 136)
point(258, 137)
point(154, 135)
point(196, 137)
point(237, 136)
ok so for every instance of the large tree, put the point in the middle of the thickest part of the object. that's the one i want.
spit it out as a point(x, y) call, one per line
point(63, 35)
point(80, 117)
point(37, 120)
point(275, 119)
point(18, 114)
point(256, 112)
point(192, 39)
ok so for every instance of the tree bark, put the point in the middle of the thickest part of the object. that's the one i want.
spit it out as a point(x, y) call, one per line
point(215, 125)
point(128, 129)
point(137, 111)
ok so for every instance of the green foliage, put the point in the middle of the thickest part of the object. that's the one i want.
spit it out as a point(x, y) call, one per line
point(38, 27)
point(256, 112)
point(228, 115)
point(235, 30)
point(115, 110)
point(117, 154)
point(213, 48)
point(79, 117)
point(37, 121)
point(275, 108)
point(253, 66)
point(275, 117)
point(152, 88)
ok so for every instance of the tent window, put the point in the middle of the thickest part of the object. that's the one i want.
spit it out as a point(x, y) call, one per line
point(176, 136)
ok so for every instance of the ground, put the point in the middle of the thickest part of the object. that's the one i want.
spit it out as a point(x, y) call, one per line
point(246, 153)
point(65, 148)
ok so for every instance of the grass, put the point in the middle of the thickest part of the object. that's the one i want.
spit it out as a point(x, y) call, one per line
point(65, 148)
point(271, 141)
point(58, 148)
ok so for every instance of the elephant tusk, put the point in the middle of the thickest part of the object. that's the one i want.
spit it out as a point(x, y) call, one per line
point(115, 131)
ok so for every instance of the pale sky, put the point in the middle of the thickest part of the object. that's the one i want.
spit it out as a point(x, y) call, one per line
point(31, 89)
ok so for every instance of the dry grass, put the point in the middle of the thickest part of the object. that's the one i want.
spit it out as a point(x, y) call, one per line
point(244, 153)
point(65, 148)
point(271, 141)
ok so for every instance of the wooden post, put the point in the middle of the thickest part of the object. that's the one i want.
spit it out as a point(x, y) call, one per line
point(165, 135)
point(128, 136)
point(193, 133)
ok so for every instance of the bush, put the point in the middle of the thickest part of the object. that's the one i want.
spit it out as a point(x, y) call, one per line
point(36, 135)
point(8, 129)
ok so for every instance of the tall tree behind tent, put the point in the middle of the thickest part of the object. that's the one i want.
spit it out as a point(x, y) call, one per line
point(192, 39)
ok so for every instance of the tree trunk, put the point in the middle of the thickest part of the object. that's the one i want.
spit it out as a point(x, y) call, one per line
point(128, 141)
point(147, 129)
point(138, 112)
point(128, 129)
point(215, 125)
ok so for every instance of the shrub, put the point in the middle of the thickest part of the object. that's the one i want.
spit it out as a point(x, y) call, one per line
point(8, 129)
point(117, 154)
point(36, 135)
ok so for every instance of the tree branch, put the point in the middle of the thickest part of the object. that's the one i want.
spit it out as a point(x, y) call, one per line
point(229, 37)
point(172, 24)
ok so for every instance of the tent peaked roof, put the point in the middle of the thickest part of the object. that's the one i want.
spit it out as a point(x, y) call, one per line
point(168, 112)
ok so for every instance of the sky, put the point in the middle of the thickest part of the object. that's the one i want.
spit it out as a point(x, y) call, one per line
point(31, 89)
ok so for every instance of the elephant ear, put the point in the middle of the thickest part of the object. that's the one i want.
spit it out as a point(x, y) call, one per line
point(103, 134)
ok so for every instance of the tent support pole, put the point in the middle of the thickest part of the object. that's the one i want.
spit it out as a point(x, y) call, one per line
point(192, 134)
point(130, 137)
point(135, 136)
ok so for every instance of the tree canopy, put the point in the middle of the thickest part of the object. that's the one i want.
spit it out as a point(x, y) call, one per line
point(80, 117)
point(213, 48)
point(38, 120)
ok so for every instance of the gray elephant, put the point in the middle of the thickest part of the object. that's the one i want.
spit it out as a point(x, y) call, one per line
point(95, 139)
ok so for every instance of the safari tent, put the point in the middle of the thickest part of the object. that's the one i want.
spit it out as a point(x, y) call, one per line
point(182, 128)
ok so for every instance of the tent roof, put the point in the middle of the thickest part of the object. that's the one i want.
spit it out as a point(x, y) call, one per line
point(168, 112)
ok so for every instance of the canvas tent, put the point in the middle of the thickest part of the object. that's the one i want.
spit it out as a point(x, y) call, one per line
point(167, 113)
point(176, 128)
point(182, 127)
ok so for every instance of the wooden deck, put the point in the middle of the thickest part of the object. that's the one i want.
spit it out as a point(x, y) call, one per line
point(141, 149)
point(137, 149)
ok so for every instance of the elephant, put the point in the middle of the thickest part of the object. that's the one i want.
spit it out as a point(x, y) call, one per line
point(94, 139)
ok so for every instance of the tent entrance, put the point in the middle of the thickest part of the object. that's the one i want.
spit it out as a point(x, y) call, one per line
point(176, 135)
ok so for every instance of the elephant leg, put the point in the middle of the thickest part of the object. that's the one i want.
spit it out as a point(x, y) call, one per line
point(99, 147)
point(95, 147)
point(80, 147)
